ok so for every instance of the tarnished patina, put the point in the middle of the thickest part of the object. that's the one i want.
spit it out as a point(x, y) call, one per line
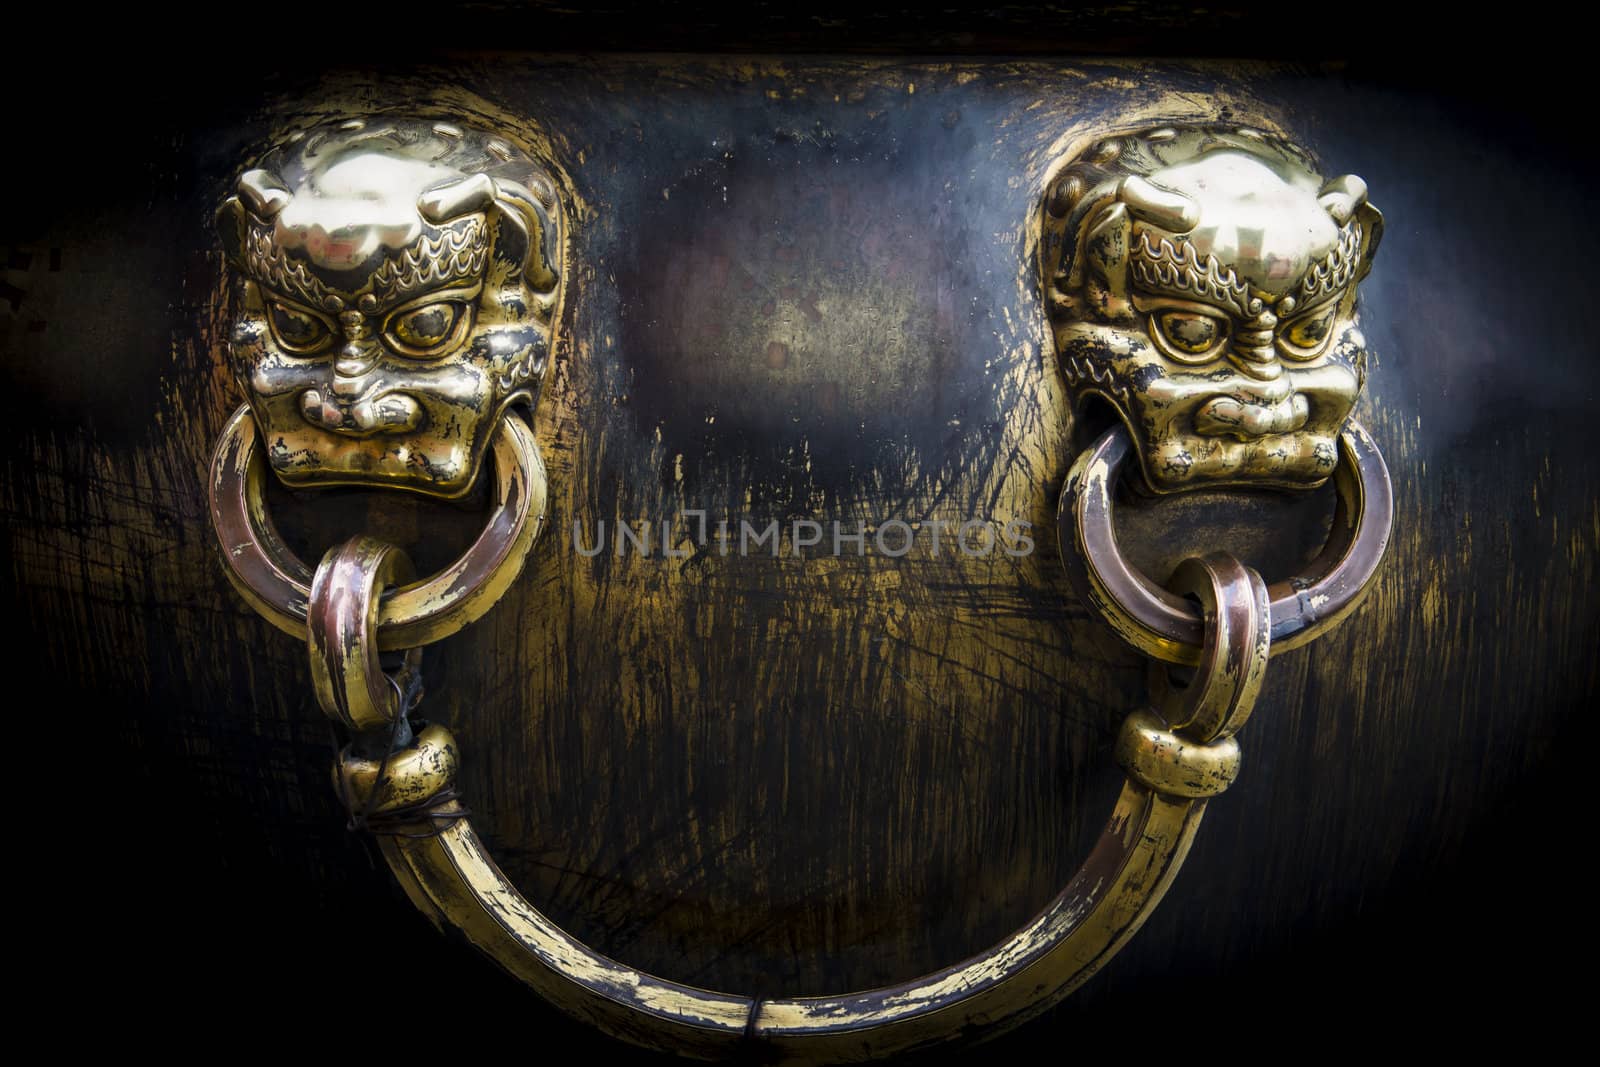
point(407, 797)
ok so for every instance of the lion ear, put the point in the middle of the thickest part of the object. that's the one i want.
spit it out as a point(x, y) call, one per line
point(1104, 247)
point(1370, 220)
point(525, 227)
point(538, 223)
point(1344, 198)
point(230, 222)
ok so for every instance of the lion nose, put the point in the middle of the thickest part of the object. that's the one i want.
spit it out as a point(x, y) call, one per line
point(1253, 352)
point(1254, 409)
point(350, 371)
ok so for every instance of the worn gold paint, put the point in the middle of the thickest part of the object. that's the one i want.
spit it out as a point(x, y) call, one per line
point(411, 776)
point(1162, 759)
point(346, 676)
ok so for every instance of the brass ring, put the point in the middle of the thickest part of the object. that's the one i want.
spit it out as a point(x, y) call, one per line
point(277, 583)
point(1168, 627)
point(349, 682)
point(1234, 602)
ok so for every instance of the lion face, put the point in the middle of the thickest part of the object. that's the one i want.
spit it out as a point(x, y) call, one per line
point(400, 294)
point(1204, 283)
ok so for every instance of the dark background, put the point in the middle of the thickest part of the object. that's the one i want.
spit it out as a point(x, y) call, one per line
point(1417, 880)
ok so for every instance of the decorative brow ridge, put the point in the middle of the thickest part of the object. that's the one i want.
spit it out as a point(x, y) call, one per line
point(266, 263)
point(1336, 269)
point(1179, 269)
point(457, 253)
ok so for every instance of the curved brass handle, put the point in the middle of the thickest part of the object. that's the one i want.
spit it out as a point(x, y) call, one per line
point(1205, 344)
point(451, 878)
point(407, 797)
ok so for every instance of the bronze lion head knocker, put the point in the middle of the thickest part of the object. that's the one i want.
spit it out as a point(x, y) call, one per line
point(401, 291)
point(1202, 281)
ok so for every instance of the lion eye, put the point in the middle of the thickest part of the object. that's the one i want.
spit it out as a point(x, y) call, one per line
point(296, 330)
point(425, 328)
point(1305, 336)
point(1190, 335)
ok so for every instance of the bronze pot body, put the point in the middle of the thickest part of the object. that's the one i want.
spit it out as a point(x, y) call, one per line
point(802, 290)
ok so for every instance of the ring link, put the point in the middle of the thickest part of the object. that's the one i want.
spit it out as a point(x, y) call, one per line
point(1183, 747)
point(341, 634)
point(1237, 644)
point(277, 583)
point(1166, 626)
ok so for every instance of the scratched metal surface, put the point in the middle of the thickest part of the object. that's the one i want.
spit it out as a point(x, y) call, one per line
point(803, 289)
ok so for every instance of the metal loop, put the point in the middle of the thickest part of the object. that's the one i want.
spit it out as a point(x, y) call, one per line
point(1234, 605)
point(278, 584)
point(349, 682)
point(1168, 627)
